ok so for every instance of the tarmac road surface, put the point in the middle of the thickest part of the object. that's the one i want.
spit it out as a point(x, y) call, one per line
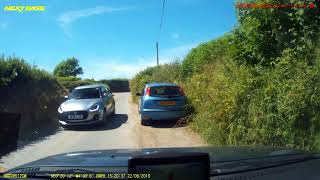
point(123, 131)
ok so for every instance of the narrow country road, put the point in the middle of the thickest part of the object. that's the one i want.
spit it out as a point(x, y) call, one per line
point(123, 131)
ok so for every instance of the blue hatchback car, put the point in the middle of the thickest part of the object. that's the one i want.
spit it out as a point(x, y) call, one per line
point(160, 101)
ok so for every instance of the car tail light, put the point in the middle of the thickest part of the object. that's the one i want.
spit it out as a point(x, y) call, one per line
point(181, 91)
point(148, 91)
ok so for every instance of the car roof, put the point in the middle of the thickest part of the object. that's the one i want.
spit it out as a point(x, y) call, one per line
point(161, 84)
point(91, 86)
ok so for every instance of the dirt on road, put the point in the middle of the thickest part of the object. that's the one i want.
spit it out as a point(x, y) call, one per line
point(165, 134)
point(123, 131)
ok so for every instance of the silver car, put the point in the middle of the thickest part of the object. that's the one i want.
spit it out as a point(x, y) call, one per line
point(86, 105)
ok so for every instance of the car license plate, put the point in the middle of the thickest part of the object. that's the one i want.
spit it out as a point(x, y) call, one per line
point(75, 116)
point(167, 103)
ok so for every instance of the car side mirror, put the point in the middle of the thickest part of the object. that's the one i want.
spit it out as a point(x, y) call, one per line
point(66, 97)
point(138, 94)
point(105, 94)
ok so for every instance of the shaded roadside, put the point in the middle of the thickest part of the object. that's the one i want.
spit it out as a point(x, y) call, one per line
point(13, 137)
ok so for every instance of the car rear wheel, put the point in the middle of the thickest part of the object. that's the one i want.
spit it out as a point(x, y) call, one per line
point(145, 123)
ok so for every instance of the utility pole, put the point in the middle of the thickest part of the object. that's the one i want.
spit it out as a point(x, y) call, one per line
point(157, 45)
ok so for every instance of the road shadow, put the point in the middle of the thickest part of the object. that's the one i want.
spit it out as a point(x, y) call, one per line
point(167, 124)
point(39, 134)
point(113, 122)
point(31, 136)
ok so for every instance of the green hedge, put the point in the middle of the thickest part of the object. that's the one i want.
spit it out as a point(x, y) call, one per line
point(243, 105)
point(237, 105)
point(116, 85)
point(171, 72)
point(31, 92)
point(213, 95)
point(205, 53)
point(16, 69)
point(71, 82)
point(258, 84)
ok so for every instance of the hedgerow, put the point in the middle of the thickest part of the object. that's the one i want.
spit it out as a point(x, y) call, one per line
point(258, 84)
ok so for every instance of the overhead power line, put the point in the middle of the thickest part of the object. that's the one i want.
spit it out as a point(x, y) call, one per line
point(161, 20)
point(160, 28)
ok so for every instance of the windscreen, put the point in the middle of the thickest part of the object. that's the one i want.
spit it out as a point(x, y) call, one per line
point(183, 73)
point(88, 93)
point(165, 91)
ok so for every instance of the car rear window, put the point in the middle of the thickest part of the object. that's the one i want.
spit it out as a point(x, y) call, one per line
point(165, 91)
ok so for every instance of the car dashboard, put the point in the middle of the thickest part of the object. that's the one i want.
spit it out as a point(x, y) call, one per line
point(171, 165)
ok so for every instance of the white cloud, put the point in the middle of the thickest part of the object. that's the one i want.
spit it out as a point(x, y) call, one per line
point(3, 25)
point(109, 70)
point(70, 16)
point(66, 18)
point(105, 68)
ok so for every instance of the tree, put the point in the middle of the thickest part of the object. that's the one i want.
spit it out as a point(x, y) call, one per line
point(263, 35)
point(68, 67)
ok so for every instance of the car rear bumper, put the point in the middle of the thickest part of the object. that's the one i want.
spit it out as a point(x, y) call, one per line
point(160, 114)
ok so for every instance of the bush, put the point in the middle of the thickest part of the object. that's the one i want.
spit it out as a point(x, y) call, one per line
point(171, 72)
point(117, 84)
point(280, 108)
point(250, 105)
point(14, 69)
point(262, 35)
point(33, 93)
point(71, 82)
point(240, 105)
point(213, 94)
point(204, 54)
point(258, 84)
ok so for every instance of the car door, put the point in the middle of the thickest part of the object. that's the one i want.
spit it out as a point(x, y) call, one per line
point(105, 98)
point(109, 101)
point(140, 103)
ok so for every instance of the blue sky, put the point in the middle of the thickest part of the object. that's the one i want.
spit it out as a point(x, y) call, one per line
point(111, 38)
